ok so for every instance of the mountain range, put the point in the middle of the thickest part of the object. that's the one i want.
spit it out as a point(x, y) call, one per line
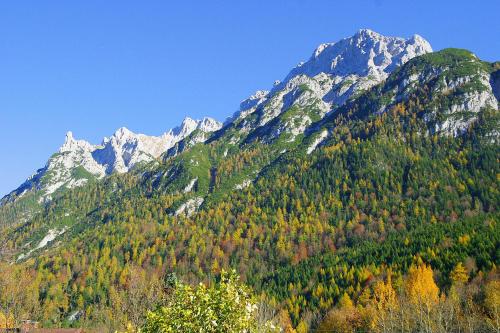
point(330, 77)
point(371, 143)
point(78, 161)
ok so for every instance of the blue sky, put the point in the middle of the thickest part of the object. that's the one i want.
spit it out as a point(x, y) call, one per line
point(94, 66)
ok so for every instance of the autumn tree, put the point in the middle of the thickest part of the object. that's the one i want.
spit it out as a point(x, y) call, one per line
point(459, 274)
point(420, 286)
point(386, 305)
point(492, 304)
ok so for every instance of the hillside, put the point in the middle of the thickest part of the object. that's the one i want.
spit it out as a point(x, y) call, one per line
point(373, 155)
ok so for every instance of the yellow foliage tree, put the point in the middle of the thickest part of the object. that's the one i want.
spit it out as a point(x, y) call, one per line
point(420, 286)
point(459, 274)
point(492, 303)
point(302, 327)
point(6, 321)
point(385, 305)
point(284, 321)
point(384, 294)
point(339, 320)
point(342, 319)
point(345, 302)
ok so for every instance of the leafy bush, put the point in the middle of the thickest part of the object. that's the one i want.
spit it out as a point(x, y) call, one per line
point(227, 307)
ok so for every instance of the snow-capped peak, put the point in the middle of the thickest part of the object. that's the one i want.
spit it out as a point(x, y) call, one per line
point(125, 148)
point(367, 33)
point(123, 133)
point(187, 126)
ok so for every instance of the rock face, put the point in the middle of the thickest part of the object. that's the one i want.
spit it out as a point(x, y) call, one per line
point(334, 73)
point(358, 62)
point(74, 153)
point(125, 149)
point(78, 161)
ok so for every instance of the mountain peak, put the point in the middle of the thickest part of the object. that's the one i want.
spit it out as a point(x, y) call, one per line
point(356, 40)
point(367, 51)
point(187, 126)
point(421, 44)
point(208, 124)
point(123, 132)
point(71, 144)
point(333, 74)
point(189, 122)
point(367, 33)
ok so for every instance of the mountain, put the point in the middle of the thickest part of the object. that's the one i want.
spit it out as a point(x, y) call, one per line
point(455, 85)
point(78, 161)
point(373, 155)
point(334, 73)
point(125, 149)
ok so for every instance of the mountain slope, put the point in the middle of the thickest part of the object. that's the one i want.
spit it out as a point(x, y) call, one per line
point(77, 162)
point(403, 171)
point(334, 73)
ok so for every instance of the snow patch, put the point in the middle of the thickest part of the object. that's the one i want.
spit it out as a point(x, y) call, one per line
point(77, 182)
point(51, 235)
point(53, 187)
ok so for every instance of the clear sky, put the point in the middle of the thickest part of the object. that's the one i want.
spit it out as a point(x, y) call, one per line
point(94, 66)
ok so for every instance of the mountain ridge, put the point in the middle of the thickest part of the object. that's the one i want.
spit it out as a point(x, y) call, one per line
point(361, 61)
point(296, 117)
point(294, 108)
point(308, 212)
point(118, 153)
